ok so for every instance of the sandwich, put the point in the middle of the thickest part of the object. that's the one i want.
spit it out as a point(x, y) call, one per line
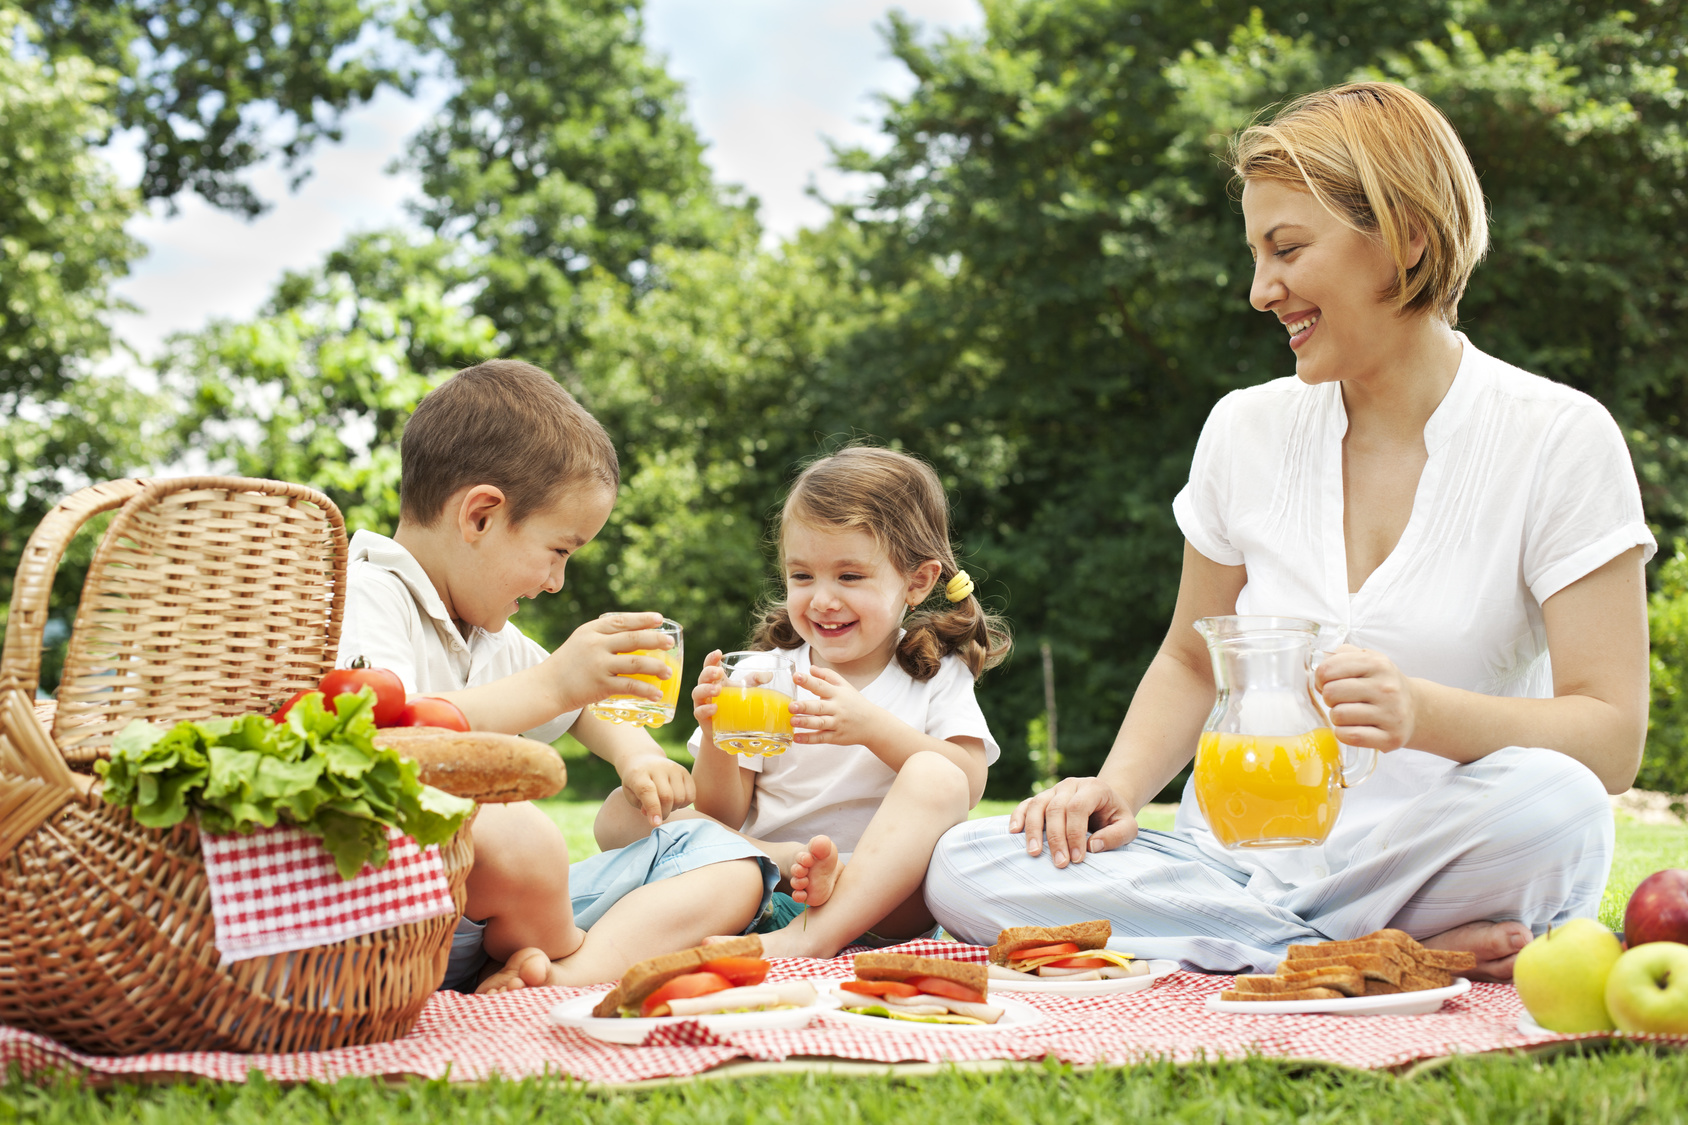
point(727, 976)
point(919, 989)
point(1076, 952)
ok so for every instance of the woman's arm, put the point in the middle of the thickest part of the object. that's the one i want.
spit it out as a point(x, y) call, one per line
point(1597, 640)
point(1157, 738)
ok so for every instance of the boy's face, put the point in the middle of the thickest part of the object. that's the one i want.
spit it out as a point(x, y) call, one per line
point(511, 563)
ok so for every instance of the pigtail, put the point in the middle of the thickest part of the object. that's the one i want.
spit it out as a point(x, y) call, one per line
point(774, 630)
point(965, 628)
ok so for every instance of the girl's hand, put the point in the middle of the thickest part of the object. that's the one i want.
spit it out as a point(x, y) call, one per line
point(709, 683)
point(1370, 701)
point(1068, 812)
point(838, 715)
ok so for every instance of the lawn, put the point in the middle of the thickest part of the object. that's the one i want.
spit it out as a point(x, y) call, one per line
point(1617, 1084)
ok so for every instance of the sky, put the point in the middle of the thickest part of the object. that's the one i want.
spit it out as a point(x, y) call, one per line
point(766, 81)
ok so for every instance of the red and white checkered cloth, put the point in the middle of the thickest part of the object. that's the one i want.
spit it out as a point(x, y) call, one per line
point(277, 890)
point(473, 1038)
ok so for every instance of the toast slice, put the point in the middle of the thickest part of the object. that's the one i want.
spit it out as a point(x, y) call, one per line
point(1382, 988)
point(1426, 978)
point(1448, 960)
point(645, 977)
point(1298, 994)
point(901, 966)
point(1086, 935)
point(1343, 978)
point(1373, 966)
point(1342, 950)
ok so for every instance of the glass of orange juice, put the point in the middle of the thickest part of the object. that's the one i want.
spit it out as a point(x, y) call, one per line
point(753, 711)
point(638, 711)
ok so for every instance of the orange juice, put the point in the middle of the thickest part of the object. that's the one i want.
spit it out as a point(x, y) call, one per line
point(1269, 791)
point(638, 710)
point(752, 720)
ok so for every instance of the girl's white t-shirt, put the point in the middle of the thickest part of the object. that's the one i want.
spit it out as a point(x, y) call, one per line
point(835, 790)
point(1528, 487)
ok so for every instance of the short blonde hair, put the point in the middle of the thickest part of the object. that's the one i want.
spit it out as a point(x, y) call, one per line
point(1384, 161)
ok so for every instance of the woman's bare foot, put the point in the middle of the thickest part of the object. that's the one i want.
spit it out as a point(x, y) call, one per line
point(526, 968)
point(1495, 944)
point(815, 872)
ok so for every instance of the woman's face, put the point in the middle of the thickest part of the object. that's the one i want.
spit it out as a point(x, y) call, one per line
point(1321, 279)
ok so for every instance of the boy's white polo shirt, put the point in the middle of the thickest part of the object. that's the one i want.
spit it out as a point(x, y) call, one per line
point(395, 619)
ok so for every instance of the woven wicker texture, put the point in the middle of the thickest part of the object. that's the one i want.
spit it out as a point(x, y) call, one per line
point(207, 596)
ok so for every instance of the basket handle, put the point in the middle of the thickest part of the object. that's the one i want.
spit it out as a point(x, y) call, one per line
point(20, 661)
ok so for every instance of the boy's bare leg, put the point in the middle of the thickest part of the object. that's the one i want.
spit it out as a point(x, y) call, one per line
point(520, 882)
point(619, 824)
point(888, 867)
point(657, 918)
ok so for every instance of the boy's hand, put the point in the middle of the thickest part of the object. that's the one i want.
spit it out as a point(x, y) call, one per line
point(597, 659)
point(657, 786)
point(709, 683)
point(838, 715)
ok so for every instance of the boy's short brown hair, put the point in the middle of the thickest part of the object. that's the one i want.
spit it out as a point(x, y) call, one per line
point(505, 423)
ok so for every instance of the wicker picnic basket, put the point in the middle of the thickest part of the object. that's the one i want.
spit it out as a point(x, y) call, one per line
point(207, 596)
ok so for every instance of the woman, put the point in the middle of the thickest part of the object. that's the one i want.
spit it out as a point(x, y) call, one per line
point(1456, 520)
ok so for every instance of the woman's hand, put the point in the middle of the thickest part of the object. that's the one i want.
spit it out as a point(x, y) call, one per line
point(837, 715)
point(1069, 811)
point(1370, 701)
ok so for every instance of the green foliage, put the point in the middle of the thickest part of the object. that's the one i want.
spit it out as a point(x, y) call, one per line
point(208, 82)
point(1665, 766)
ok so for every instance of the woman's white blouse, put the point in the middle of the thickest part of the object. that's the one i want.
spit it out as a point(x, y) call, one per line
point(1528, 487)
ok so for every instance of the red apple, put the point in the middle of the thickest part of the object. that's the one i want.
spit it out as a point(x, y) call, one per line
point(1658, 910)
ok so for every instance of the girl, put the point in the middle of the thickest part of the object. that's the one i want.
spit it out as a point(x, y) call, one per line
point(891, 748)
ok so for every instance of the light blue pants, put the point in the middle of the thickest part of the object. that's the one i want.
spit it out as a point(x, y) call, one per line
point(1520, 835)
point(599, 883)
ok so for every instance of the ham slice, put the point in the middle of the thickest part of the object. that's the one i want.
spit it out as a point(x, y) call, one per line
point(756, 997)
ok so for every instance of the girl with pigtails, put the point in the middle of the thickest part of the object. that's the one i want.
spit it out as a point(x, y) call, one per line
point(890, 747)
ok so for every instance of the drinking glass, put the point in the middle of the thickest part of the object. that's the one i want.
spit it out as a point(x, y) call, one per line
point(636, 710)
point(753, 711)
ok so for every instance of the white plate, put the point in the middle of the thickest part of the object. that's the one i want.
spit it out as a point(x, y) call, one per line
point(578, 1013)
point(1399, 1004)
point(1054, 986)
point(1015, 1015)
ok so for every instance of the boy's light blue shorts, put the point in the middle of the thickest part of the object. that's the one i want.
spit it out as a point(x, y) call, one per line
point(598, 883)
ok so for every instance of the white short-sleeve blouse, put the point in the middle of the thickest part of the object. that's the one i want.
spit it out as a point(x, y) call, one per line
point(1527, 488)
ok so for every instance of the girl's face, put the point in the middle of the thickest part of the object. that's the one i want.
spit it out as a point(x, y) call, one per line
point(1321, 279)
point(846, 598)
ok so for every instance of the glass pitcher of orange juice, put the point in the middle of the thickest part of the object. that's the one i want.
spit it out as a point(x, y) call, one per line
point(1269, 770)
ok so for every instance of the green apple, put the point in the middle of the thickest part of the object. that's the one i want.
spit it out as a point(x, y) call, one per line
point(1648, 989)
point(1561, 976)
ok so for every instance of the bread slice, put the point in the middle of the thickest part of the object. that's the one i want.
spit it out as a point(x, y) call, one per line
point(901, 966)
point(1341, 950)
point(1426, 978)
point(1086, 935)
point(645, 977)
point(1344, 978)
point(1373, 966)
point(1448, 960)
point(1298, 994)
point(1382, 988)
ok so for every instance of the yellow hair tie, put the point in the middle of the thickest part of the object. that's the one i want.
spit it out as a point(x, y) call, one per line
point(959, 587)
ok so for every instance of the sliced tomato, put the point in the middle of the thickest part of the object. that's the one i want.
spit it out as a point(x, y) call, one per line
point(739, 970)
point(880, 988)
point(1080, 963)
point(427, 711)
point(1044, 951)
point(281, 715)
point(938, 986)
point(389, 690)
point(682, 988)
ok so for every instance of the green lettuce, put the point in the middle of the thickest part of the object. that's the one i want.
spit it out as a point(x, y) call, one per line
point(320, 771)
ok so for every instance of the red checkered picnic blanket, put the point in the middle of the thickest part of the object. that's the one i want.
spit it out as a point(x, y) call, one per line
point(470, 1038)
point(277, 890)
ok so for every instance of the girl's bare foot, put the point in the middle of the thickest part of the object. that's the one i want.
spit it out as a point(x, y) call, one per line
point(815, 872)
point(526, 968)
point(1495, 944)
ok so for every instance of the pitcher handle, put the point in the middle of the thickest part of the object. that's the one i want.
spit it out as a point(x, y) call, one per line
point(1358, 762)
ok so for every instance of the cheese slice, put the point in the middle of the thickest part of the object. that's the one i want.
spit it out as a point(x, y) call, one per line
point(1123, 960)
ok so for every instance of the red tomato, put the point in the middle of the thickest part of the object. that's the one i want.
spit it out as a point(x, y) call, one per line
point(1081, 963)
point(682, 988)
point(938, 986)
point(428, 711)
point(740, 970)
point(389, 690)
point(1044, 951)
point(281, 715)
point(880, 988)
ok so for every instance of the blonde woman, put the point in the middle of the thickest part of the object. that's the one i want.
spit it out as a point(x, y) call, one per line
point(1473, 531)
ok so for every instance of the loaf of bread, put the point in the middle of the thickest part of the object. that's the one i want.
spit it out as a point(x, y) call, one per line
point(490, 768)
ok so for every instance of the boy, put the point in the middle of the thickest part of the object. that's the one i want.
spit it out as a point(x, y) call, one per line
point(503, 477)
